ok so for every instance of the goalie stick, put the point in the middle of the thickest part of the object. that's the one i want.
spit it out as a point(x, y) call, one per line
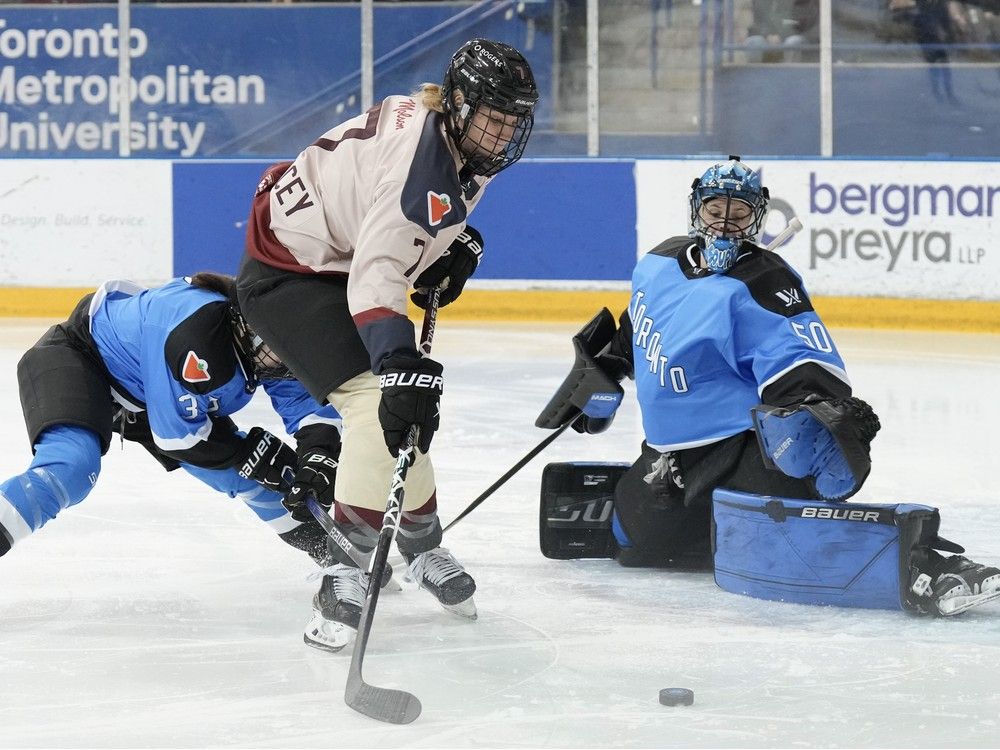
point(793, 226)
point(510, 472)
point(386, 704)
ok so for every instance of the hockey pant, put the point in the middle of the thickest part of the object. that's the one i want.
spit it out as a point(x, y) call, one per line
point(667, 520)
point(365, 474)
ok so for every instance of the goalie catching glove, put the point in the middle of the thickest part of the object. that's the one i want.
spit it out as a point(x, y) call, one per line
point(266, 460)
point(590, 395)
point(318, 450)
point(451, 270)
point(826, 440)
point(411, 395)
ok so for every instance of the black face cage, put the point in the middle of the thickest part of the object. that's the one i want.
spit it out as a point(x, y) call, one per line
point(717, 228)
point(479, 147)
point(264, 363)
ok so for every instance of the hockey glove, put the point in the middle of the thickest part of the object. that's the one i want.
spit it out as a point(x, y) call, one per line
point(411, 395)
point(826, 440)
point(318, 449)
point(266, 460)
point(451, 270)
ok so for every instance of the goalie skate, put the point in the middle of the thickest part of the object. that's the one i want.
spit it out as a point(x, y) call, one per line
point(960, 585)
point(440, 573)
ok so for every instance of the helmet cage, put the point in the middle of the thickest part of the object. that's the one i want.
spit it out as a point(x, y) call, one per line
point(263, 362)
point(733, 182)
point(489, 85)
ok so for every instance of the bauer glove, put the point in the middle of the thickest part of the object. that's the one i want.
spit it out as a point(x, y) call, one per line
point(266, 460)
point(411, 395)
point(451, 270)
point(318, 449)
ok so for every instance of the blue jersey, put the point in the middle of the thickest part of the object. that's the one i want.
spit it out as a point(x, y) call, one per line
point(705, 345)
point(171, 352)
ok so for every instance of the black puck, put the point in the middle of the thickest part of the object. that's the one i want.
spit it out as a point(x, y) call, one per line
point(676, 697)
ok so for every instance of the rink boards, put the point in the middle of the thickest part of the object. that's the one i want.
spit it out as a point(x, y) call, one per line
point(884, 243)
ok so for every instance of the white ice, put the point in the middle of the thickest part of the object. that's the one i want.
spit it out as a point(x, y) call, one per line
point(159, 614)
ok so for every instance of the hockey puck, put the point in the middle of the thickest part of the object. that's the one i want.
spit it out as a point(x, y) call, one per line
point(676, 697)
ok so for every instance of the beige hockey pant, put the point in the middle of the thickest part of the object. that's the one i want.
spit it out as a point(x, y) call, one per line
point(366, 466)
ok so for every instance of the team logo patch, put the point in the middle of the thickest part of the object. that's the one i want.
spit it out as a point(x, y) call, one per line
point(195, 369)
point(438, 206)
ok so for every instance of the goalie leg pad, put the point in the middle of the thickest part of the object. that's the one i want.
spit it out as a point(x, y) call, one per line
point(577, 505)
point(809, 552)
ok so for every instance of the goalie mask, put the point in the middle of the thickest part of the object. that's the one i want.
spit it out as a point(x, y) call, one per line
point(728, 206)
point(263, 362)
point(489, 97)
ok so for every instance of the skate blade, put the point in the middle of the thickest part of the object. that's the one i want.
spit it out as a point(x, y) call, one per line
point(956, 605)
point(466, 609)
point(327, 635)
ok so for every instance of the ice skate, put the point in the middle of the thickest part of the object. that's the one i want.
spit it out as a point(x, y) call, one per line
point(337, 606)
point(959, 584)
point(440, 573)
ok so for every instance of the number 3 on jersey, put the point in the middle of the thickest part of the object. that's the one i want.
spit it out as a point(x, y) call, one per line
point(191, 406)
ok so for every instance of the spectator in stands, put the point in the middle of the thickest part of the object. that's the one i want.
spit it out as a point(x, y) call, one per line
point(933, 27)
point(780, 28)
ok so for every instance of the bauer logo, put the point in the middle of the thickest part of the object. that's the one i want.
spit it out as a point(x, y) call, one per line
point(840, 514)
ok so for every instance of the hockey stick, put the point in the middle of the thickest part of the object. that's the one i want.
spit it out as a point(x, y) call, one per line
point(361, 559)
point(386, 704)
point(510, 472)
point(793, 226)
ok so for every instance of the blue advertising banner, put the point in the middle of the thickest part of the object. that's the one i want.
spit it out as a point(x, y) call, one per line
point(214, 80)
point(541, 220)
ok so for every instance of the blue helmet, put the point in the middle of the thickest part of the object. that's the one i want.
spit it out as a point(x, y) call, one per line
point(722, 233)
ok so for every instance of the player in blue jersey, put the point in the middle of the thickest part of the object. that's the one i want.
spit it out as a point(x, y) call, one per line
point(740, 386)
point(166, 368)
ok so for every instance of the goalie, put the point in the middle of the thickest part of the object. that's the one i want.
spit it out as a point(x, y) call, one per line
point(745, 398)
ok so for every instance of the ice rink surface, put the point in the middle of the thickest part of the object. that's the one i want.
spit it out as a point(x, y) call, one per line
point(159, 614)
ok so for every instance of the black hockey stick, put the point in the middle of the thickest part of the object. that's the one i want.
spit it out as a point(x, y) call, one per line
point(510, 472)
point(386, 704)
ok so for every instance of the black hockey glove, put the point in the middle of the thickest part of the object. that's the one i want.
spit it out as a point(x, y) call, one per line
point(590, 394)
point(411, 395)
point(266, 460)
point(451, 270)
point(318, 449)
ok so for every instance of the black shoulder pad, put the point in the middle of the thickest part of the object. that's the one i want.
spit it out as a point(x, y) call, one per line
point(432, 194)
point(773, 284)
point(200, 349)
point(671, 248)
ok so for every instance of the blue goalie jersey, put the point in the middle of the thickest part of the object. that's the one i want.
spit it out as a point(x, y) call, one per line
point(706, 345)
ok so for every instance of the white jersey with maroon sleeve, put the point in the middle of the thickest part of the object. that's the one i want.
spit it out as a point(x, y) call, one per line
point(377, 198)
